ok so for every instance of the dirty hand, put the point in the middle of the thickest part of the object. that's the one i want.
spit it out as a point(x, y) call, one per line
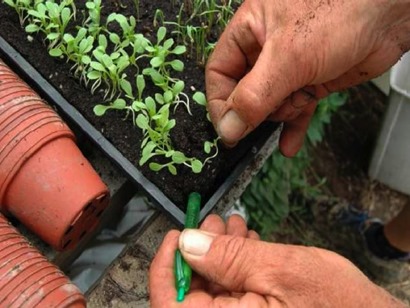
point(277, 58)
point(236, 269)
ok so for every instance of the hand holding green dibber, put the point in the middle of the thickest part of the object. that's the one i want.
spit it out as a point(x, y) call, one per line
point(183, 271)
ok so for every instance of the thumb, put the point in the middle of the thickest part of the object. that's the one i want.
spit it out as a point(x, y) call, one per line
point(237, 264)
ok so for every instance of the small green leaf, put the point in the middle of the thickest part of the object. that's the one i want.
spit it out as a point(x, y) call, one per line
point(53, 36)
point(138, 106)
point(93, 75)
point(178, 87)
point(69, 38)
point(159, 98)
point(119, 103)
point(178, 157)
point(32, 28)
point(151, 106)
point(207, 147)
point(126, 86)
point(178, 50)
point(155, 166)
point(199, 98)
point(65, 15)
point(86, 60)
point(168, 43)
point(99, 110)
point(162, 31)
point(97, 66)
point(168, 96)
point(90, 5)
point(156, 61)
point(172, 169)
point(177, 65)
point(196, 166)
point(114, 38)
point(142, 121)
point(140, 81)
point(55, 52)
point(170, 125)
point(147, 152)
point(111, 17)
point(169, 153)
point(102, 41)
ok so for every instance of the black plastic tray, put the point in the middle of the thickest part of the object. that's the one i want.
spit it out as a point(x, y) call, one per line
point(28, 73)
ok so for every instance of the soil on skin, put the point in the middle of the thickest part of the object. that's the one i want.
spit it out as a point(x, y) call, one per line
point(343, 159)
point(189, 134)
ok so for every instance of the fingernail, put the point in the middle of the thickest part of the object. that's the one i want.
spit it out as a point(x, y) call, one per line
point(231, 128)
point(195, 242)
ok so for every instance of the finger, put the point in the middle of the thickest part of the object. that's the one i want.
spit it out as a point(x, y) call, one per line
point(197, 283)
point(231, 94)
point(293, 106)
point(236, 263)
point(236, 225)
point(161, 273)
point(236, 51)
point(253, 235)
point(214, 224)
point(293, 133)
point(251, 299)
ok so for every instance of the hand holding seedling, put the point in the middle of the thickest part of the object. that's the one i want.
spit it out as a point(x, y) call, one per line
point(277, 58)
point(236, 269)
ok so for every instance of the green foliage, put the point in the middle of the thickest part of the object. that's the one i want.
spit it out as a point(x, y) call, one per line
point(268, 197)
point(107, 68)
point(77, 50)
point(194, 23)
point(93, 21)
point(51, 19)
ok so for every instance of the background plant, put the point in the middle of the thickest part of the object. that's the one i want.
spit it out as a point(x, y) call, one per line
point(282, 184)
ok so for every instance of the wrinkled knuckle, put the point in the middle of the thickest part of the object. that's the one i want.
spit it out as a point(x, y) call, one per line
point(232, 260)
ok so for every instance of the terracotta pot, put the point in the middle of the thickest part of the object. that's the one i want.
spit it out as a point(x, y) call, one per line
point(27, 279)
point(45, 181)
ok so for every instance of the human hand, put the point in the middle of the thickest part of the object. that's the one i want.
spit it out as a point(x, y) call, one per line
point(275, 60)
point(235, 269)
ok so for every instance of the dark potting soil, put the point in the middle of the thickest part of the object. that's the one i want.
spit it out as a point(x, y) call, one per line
point(188, 135)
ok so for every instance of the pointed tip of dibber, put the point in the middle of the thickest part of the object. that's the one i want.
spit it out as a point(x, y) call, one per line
point(181, 295)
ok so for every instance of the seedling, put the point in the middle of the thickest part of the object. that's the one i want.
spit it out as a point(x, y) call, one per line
point(107, 68)
point(21, 7)
point(51, 19)
point(137, 8)
point(76, 49)
point(127, 26)
point(208, 146)
point(93, 22)
point(160, 52)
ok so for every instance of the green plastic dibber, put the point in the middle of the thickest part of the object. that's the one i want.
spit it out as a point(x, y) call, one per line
point(183, 272)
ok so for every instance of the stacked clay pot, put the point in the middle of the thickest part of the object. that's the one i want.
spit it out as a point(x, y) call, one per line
point(45, 181)
point(27, 279)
